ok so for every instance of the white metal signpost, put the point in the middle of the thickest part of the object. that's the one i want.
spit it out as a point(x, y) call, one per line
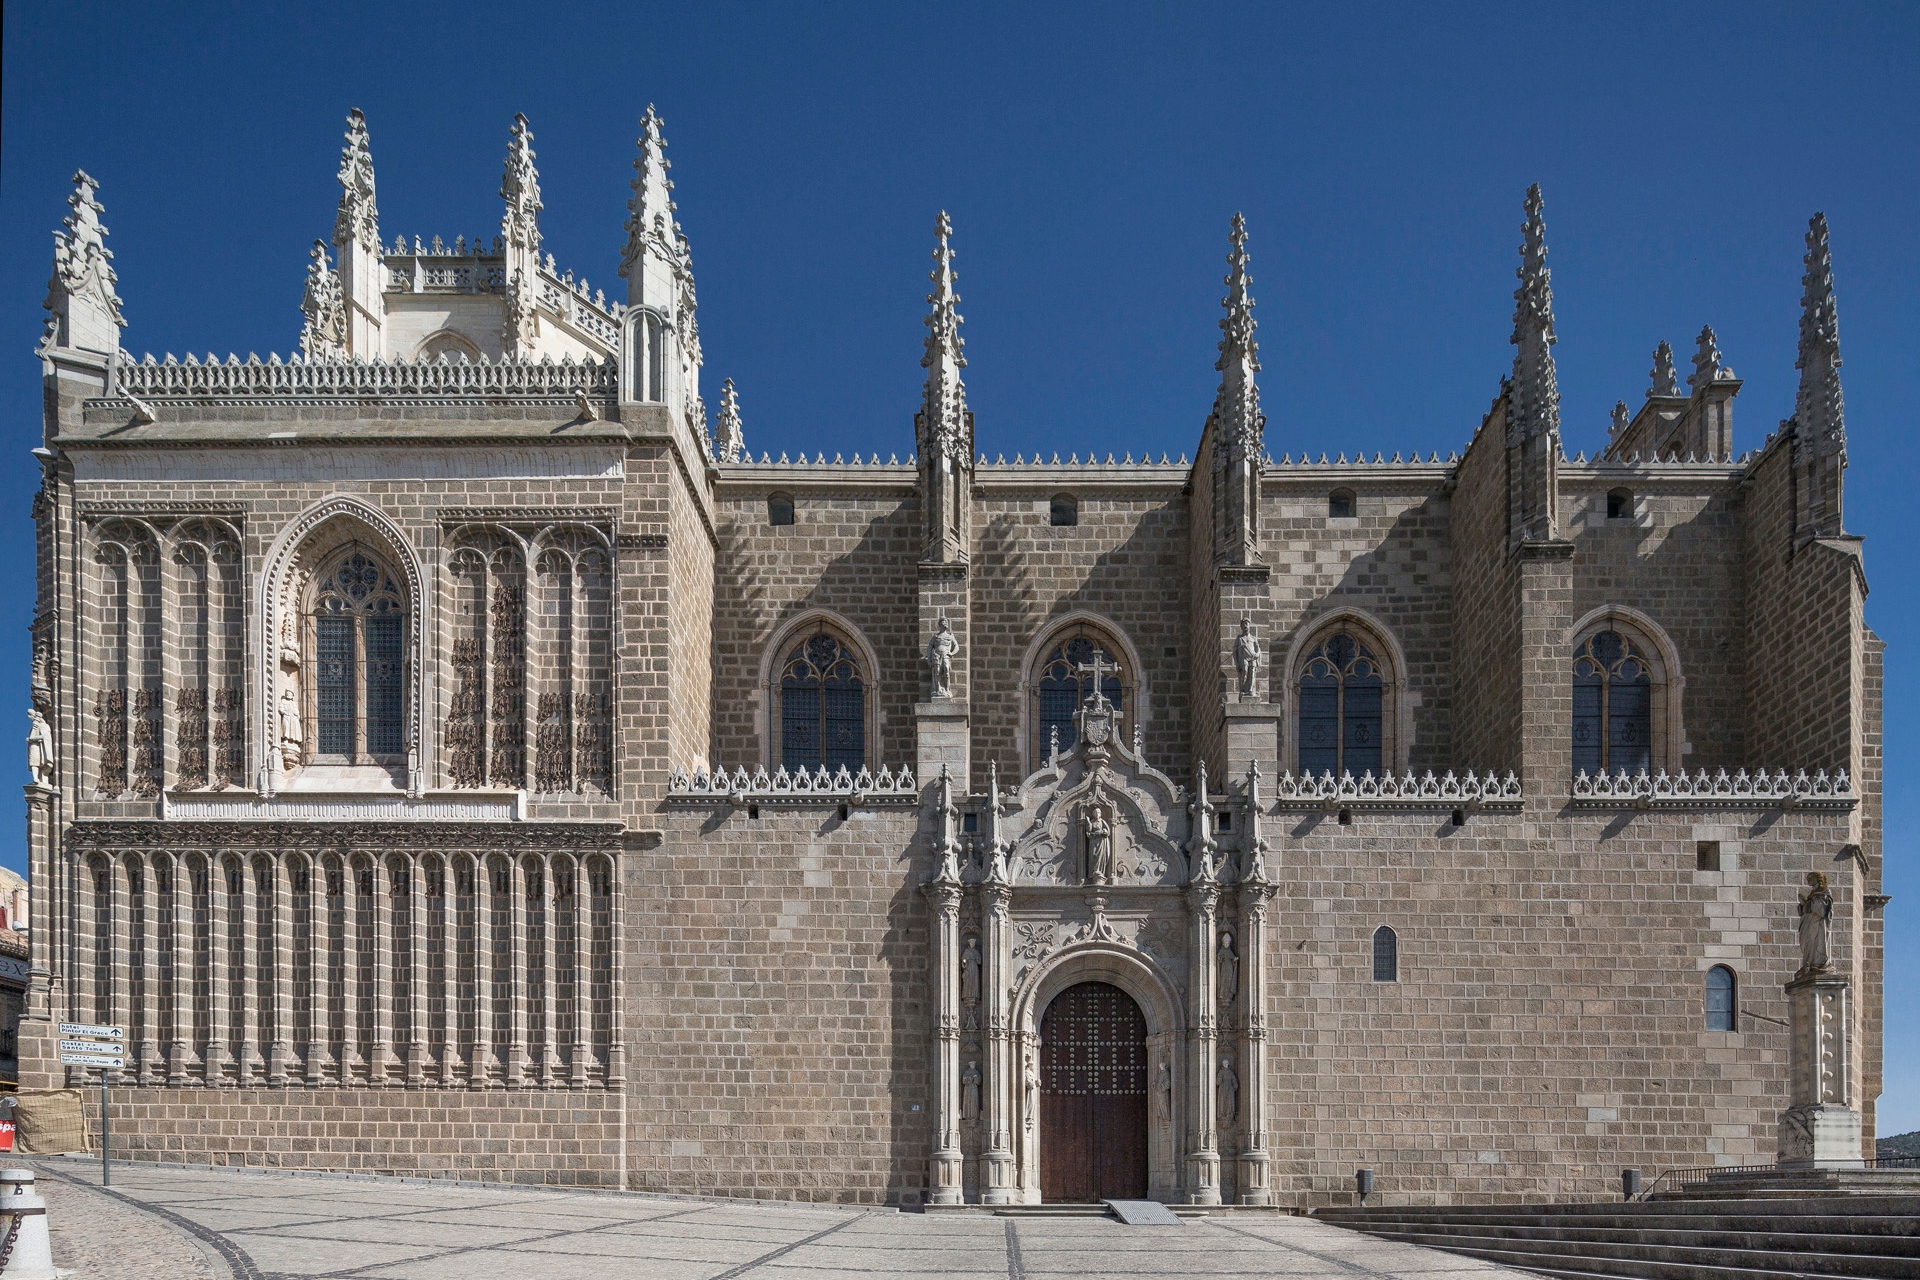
point(83, 1044)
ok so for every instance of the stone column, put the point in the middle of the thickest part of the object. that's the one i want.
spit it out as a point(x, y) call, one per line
point(549, 1008)
point(219, 1002)
point(417, 976)
point(152, 1069)
point(1820, 1129)
point(1001, 1176)
point(120, 873)
point(380, 1059)
point(246, 953)
point(319, 1011)
point(37, 1040)
point(1203, 1150)
point(351, 1050)
point(1255, 1181)
point(944, 1173)
point(280, 1052)
point(180, 921)
point(450, 974)
point(582, 975)
point(517, 973)
point(481, 1061)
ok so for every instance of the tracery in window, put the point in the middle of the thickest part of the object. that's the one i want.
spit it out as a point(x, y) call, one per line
point(1342, 702)
point(211, 739)
point(357, 618)
point(572, 664)
point(1064, 679)
point(1612, 706)
point(486, 719)
point(823, 705)
point(126, 673)
point(1722, 1008)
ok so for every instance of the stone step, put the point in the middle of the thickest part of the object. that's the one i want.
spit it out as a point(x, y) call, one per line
point(1768, 1207)
point(1656, 1261)
point(1893, 1235)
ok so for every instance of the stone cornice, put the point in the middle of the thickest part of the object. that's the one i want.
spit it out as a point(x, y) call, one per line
point(373, 837)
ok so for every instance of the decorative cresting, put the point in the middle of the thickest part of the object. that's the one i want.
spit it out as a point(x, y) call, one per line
point(1098, 867)
point(1403, 791)
point(330, 955)
point(295, 556)
point(821, 786)
point(298, 381)
point(1776, 790)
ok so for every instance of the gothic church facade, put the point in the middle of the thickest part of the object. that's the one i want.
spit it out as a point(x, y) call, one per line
point(455, 754)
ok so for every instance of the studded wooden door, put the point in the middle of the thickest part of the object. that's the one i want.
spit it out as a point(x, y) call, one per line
point(1093, 1097)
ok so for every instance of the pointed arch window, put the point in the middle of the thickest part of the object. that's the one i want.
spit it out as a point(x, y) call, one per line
point(1060, 686)
point(1612, 706)
point(357, 649)
point(823, 705)
point(1342, 708)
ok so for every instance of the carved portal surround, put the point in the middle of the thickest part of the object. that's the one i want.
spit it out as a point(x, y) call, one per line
point(316, 537)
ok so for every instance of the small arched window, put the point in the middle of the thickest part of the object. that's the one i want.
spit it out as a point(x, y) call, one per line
point(1063, 681)
point(1386, 955)
point(358, 650)
point(1340, 505)
point(1612, 706)
point(1064, 511)
point(1722, 1008)
point(455, 346)
point(1342, 698)
point(779, 508)
point(1620, 504)
point(823, 706)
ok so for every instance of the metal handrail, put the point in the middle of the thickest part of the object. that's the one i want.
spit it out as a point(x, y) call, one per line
point(1692, 1175)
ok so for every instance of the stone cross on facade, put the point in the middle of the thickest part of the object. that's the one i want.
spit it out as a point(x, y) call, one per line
point(1098, 670)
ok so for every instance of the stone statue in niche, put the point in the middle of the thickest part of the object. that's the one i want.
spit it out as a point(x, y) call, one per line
point(1246, 656)
point(1816, 917)
point(970, 1092)
point(1030, 1087)
point(1226, 971)
point(1163, 1088)
point(39, 748)
point(970, 971)
point(941, 651)
point(1099, 837)
point(1229, 1090)
point(292, 738)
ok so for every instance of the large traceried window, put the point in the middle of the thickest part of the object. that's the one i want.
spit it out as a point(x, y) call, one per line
point(358, 616)
point(1612, 706)
point(1342, 692)
point(823, 705)
point(1064, 680)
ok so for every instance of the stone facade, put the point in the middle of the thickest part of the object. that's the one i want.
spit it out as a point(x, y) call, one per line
point(456, 761)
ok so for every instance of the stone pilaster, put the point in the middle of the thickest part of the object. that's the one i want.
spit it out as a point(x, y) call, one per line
point(1000, 1180)
point(944, 1166)
point(1203, 1142)
point(1820, 1129)
point(1256, 1185)
point(942, 724)
point(37, 1040)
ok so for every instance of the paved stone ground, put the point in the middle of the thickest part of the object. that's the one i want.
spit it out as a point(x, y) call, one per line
point(190, 1224)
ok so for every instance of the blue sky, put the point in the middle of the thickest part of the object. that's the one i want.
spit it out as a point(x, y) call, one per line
point(1090, 159)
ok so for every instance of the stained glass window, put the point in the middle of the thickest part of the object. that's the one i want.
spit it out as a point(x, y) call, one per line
point(1342, 698)
point(823, 706)
point(359, 650)
point(1060, 688)
point(1612, 706)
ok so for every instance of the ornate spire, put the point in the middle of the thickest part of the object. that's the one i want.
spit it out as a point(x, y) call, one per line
point(520, 188)
point(1620, 420)
point(650, 211)
point(1819, 410)
point(1665, 382)
point(80, 295)
point(1237, 405)
point(357, 219)
point(1707, 368)
point(729, 441)
point(944, 408)
point(324, 336)
point(1536, 387)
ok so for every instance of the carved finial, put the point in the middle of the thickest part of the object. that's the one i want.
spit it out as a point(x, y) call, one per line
point(1666, 382)
point(357, 219)
point(729, 441)
point(1819, 409)
point(324, 336)
point(944, 409)
point(1238, 424)
point(1536, 386)
point(1620, 420)
point(1238, 324)
point(650, 211)
point(520, 188)
point(1707, 368)
point(80, 295)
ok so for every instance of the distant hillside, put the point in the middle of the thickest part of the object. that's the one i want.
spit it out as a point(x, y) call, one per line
point(1900, 1144)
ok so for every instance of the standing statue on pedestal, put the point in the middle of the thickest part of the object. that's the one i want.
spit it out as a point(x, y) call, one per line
point(941, 651)
point(970, 1092)
point(1246, 656)
point(1099, 846)
point(292, 740)
point(970, 972)
point(39, 748)
point(1229, 1082)
point(1164, 1087)
point(1816, 917)
point(1030, 1086)
point(1227, 971)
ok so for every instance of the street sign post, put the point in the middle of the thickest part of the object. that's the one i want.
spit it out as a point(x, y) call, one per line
point(85, 1044)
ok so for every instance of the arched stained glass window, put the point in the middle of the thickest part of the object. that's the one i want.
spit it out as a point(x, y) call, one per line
point(1061, 686)
point(1386, 955)
point(823, 706)
point(1612, 706)
point(359, 651)
point(1342, 695)
point(1721, 1008)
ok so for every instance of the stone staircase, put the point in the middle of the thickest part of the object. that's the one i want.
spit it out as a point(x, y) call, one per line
point(1874, 1237)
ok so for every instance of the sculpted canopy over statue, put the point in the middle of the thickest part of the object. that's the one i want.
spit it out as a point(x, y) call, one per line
point(941, 651)
point(1246, 656)
point(1816, 917)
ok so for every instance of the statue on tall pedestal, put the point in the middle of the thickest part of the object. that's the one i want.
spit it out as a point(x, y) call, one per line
point(1816, 919)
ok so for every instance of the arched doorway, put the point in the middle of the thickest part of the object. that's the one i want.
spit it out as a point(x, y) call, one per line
point(1093, 1097)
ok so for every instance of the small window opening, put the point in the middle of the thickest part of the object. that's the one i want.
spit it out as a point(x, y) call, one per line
point(1706, 855)
point(780, 508)
point(846, 811)
point(753, 813)
point(1226, 821)
point(1459, 817)
point(1064, 510)
point(1340, 505)
point(1620, 504)
point(1346, 817)
point(1386, 955)
point(1172, 652)
point(970, 823)
point(1722, 1008)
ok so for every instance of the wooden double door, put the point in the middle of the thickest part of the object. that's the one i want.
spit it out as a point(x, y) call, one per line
point(1093, 1097)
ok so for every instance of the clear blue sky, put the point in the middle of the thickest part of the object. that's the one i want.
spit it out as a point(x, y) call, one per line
point(1090, 161)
